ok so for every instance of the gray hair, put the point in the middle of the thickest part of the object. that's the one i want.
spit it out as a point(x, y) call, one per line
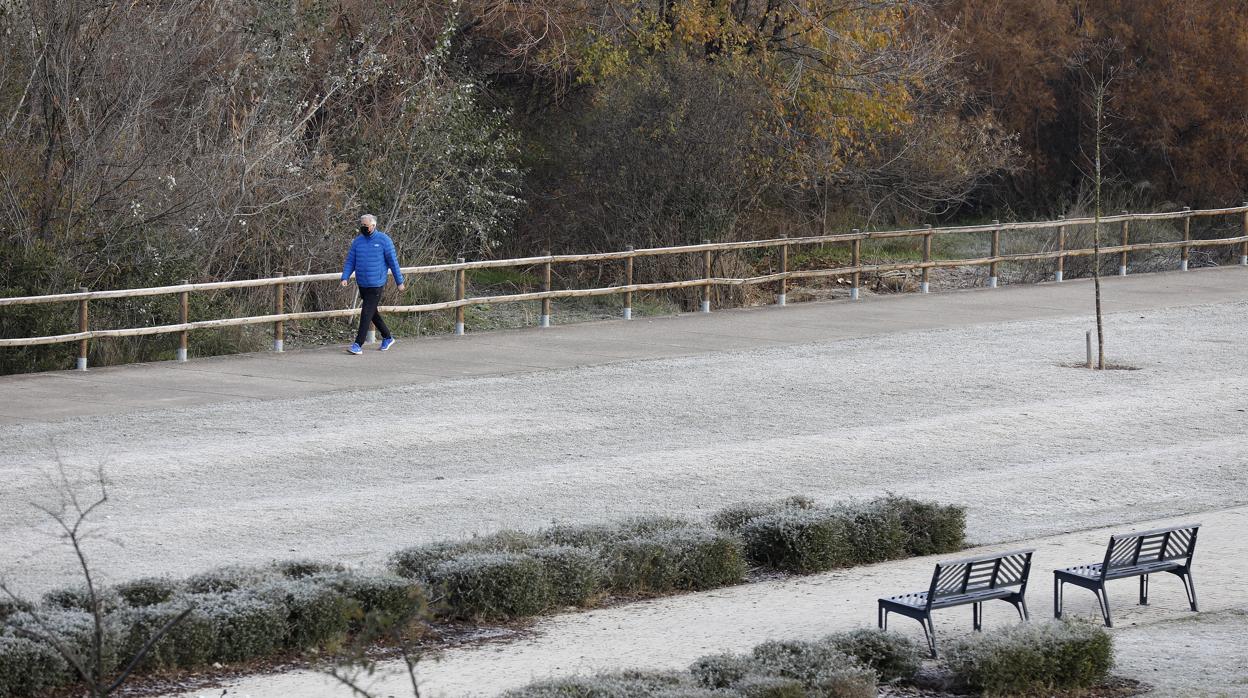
point(368, 219)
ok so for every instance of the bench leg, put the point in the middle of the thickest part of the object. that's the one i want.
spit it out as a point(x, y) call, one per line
point(1057, 598)
point(1189, 585)
point(883, 617)
point(929, 631)
point(1143, 589)
point(977, 616)
point(1102, 597)
point(1022, 610)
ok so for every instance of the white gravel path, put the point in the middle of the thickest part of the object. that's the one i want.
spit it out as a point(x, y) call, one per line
point(952, 415)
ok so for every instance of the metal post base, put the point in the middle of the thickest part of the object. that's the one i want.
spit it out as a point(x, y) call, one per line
point(543, 321)
point(1058, 277)
point(372, 337)
point(923, 287)
point(181, 355)
point(279, 345)
point(992, 282)
point(853, 294)
point(1183, 265)
point(628, 313)
point(780, 300)
point(706, 306)
point(81, 365)
point(459, 329)
point(1122, 271)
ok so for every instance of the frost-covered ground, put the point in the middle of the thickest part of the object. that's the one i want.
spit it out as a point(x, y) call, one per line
point(985, 416)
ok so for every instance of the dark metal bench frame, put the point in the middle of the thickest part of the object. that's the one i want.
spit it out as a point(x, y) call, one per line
point(1136, 554)
point(973, 581)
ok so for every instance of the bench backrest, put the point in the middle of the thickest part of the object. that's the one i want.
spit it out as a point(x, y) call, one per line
point(1176, 543)
point(958, 577)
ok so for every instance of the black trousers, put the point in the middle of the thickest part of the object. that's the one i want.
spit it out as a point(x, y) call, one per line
point(369, 314)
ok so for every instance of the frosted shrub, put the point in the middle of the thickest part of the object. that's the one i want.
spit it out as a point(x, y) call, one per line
point(873, 532)
point(930, 528)
point(189, 644)
point(418, 561)
point(722, 670)
point(1033, 657)
point(28, 668)
point(798, 540)
point(316, 613)
point(75, 631)
point(298, 569)
point(147, 591)
point(705, 559)
point(600, 535)
point(491, 586)
point(628, 684)
point(388, 595)
point(732, 518)
point(641, 565)
point(890, 655)
point(674, 558)
point(761, 686)
point(576, 575)
point(822, 670)
point(246, 625)
point(79, 599)
point(226, 579)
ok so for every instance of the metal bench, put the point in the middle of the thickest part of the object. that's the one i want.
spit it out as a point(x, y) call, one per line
point(1136, 554)
point(960, 582)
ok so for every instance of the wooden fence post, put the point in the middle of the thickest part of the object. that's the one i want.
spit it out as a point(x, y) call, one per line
point(1126, 240)
point(706, 274)
point(924, 287)
point(184, 316)
point(83, 326)
point(781, 297)
point(279, 306)
point(1243, 253)
point(459, 296)
point(1061, 250)
point(628, 281)
point(1187, 237)
point(855, 261)
point(996, 250)
point(544, 320)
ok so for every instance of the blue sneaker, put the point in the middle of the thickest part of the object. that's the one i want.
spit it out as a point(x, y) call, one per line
point(386, 343)
point(355, 349)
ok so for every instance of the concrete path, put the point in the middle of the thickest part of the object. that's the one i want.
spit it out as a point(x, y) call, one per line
point(413, 361)
point(1183, 654)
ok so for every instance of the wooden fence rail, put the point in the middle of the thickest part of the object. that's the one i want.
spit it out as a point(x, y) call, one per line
point(707, 280)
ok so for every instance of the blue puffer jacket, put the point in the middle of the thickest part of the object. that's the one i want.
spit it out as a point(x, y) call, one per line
point(369, 257)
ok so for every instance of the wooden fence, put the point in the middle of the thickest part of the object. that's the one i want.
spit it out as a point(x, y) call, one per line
point(853, 239)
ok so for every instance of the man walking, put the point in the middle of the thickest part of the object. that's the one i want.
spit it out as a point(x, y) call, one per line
point(372, 253)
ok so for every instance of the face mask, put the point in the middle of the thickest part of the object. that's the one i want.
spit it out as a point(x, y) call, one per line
point(365, 231)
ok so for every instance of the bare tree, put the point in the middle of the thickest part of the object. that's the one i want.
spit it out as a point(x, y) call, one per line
point(1100, 73)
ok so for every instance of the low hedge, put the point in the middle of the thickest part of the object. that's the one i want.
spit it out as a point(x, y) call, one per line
point(491, 586)
point(576, 576)
point(807, 539)
point(1032, 657)
point(1027, 659)
point(239, 613)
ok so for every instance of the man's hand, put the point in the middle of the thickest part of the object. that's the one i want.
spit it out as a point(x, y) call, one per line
point(402, 287)
point(344, 284)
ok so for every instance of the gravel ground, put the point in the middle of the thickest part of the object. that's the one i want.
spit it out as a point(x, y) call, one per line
point(950, 415)
point(1203, 656)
